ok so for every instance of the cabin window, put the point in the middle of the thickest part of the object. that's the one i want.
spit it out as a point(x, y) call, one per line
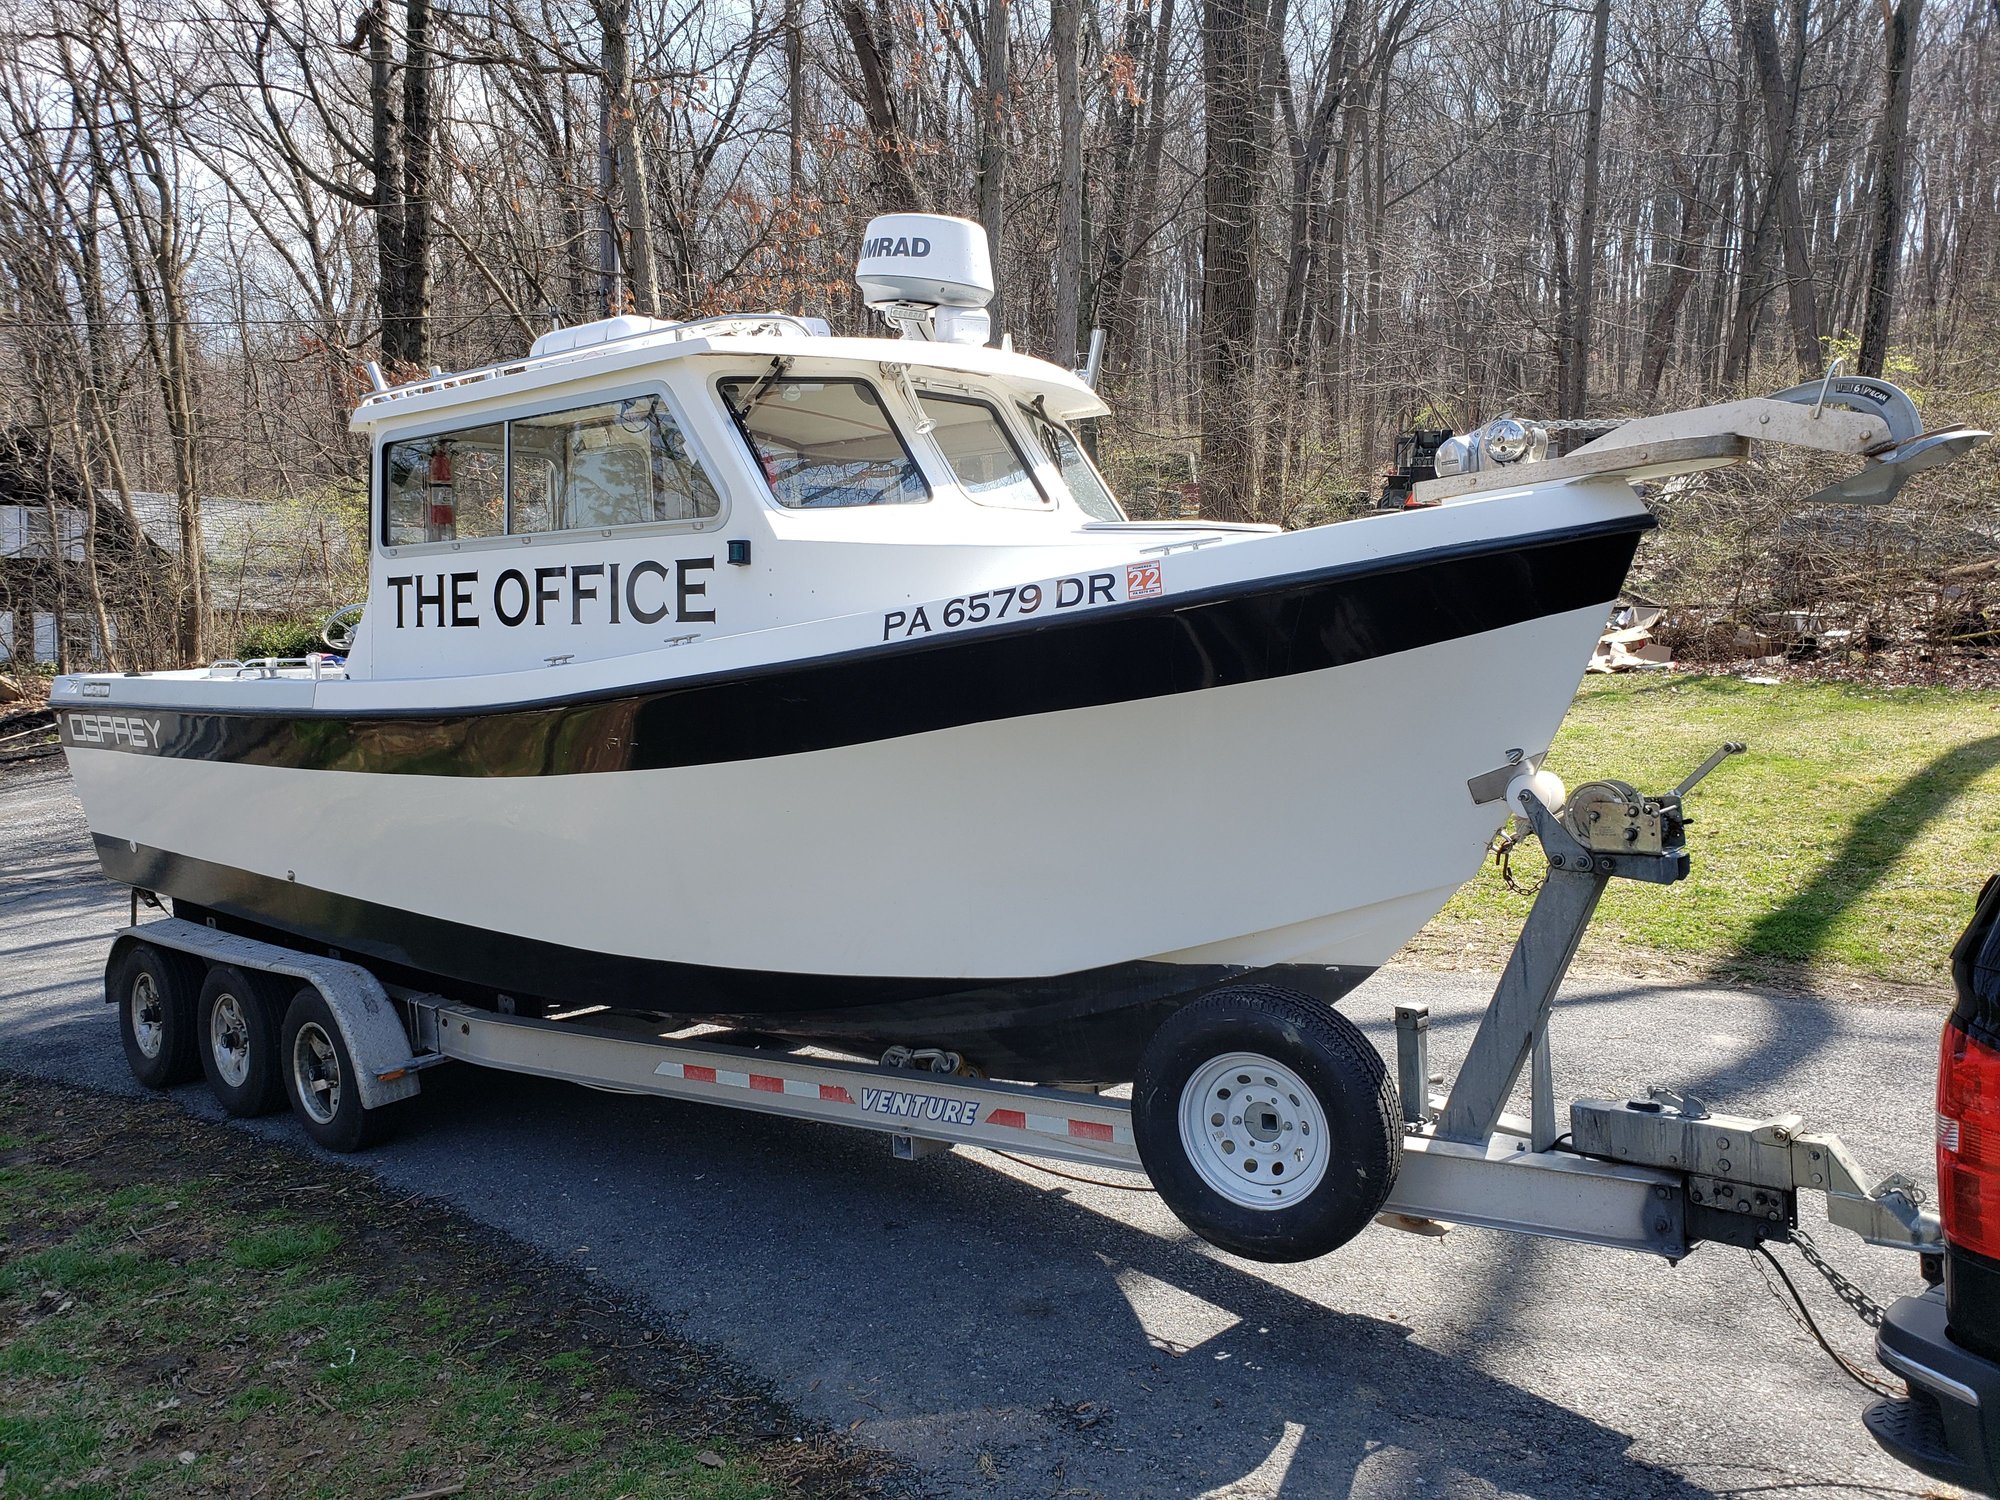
point(615, 463)
point(982, 455)
point(622, 463)
point(1084, 482)
point(449, 486)
point(824, 443)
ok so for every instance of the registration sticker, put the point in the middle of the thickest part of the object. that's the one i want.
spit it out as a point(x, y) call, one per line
point(1143, 581)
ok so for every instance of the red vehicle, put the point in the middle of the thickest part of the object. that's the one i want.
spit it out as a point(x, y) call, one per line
point(1946, 1343)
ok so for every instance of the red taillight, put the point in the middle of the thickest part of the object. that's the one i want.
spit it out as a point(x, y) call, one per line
point(1968, 1144)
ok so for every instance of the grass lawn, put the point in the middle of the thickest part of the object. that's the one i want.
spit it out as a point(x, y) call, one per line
point(186, 1311)
point(1848, 844)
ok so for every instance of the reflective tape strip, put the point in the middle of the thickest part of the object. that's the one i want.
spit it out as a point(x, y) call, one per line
point(761, 1083)
point(1082, 1130)
point(833, 1093)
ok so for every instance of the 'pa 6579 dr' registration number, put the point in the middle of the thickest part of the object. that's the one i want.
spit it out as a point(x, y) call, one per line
point(1049, 596)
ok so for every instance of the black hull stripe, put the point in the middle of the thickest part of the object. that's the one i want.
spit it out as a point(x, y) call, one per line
point(1070, 1027)
point(1272, 628)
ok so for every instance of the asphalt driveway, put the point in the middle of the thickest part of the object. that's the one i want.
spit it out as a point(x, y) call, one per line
point(1012, 1333)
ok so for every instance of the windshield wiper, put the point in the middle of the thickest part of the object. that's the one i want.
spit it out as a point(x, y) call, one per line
point(757, 392)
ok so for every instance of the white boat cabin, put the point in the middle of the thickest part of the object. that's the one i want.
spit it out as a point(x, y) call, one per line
point(634, 484)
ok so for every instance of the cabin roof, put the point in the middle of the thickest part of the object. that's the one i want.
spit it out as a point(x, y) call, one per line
point(784, 338)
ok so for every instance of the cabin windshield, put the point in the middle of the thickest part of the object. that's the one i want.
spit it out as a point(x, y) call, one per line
point(1085, 483)
point(981, 452)
point(824, 443)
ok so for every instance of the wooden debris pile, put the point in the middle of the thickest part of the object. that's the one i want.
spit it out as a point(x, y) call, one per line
point(1628, 645)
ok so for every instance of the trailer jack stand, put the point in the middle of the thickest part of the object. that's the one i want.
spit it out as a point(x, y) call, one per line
point(1659, 1174)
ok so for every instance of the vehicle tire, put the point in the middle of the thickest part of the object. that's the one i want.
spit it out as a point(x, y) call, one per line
point(236, 1032)
point(154, 989)
point(320, 1077)
point(1268, 1123)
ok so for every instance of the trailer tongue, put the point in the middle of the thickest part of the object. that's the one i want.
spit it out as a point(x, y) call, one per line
point(1659, 1174)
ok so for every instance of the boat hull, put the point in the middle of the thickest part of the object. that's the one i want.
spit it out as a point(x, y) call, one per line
point(1027, 845)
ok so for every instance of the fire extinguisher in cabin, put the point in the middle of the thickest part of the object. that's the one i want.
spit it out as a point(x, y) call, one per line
point(444, 517)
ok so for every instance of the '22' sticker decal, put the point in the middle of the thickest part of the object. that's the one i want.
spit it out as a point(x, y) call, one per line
point(1048, 596)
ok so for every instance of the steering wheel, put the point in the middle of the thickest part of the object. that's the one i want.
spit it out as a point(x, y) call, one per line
point(338, 631)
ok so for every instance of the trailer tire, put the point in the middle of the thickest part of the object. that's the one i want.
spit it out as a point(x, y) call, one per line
point(321, 1080)
point(236, 1034)
point(1304, 1173)
point(154, 989)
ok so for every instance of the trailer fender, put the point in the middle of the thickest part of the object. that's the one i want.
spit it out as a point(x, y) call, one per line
point(370, 1022)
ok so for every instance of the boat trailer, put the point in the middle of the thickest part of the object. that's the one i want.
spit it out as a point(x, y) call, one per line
point(1658, 1175)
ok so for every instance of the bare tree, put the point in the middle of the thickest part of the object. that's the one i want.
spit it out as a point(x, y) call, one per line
point(1890, 153)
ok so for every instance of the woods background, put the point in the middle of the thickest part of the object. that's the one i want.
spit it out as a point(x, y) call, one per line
point(1305, 225)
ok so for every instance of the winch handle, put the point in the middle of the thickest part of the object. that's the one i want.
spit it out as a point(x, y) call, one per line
point(1733, 747)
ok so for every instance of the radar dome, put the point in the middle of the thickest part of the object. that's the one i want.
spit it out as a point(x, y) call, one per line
point(928, 260)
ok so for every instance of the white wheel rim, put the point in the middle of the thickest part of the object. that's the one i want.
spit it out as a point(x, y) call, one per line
point(229, 1039)
point(149, 1029)
point(1253, 1131)
point(316, 1072)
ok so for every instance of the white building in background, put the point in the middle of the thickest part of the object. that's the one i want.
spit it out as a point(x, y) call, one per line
point(257, 559)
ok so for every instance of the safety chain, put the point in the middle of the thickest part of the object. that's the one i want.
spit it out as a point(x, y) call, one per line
point(1502, 849)
point(1865, 1307)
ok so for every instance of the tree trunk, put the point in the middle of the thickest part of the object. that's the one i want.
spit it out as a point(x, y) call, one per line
point(621, 109)
point(896, 179)
point(1575, 384)
point(995, 105)
point(1066, 26)
point(386, 179)
point(795, 89)
point(1891, 151)
point(144, 198)
point(1132, 216)
point(1233, 54)
point(1310, 149)
point(93, 577)
point(1697, 214)
point(408, 339)
point(1376, 199)
point(1781, 107)
point(610, 256)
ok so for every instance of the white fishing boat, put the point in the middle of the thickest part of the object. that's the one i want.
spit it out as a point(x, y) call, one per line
point(819, 686)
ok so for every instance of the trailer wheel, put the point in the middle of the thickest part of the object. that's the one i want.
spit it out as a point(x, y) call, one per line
point(236, 1030)
point(154, 989)
point(1267, 1122)
point(320, 1077)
